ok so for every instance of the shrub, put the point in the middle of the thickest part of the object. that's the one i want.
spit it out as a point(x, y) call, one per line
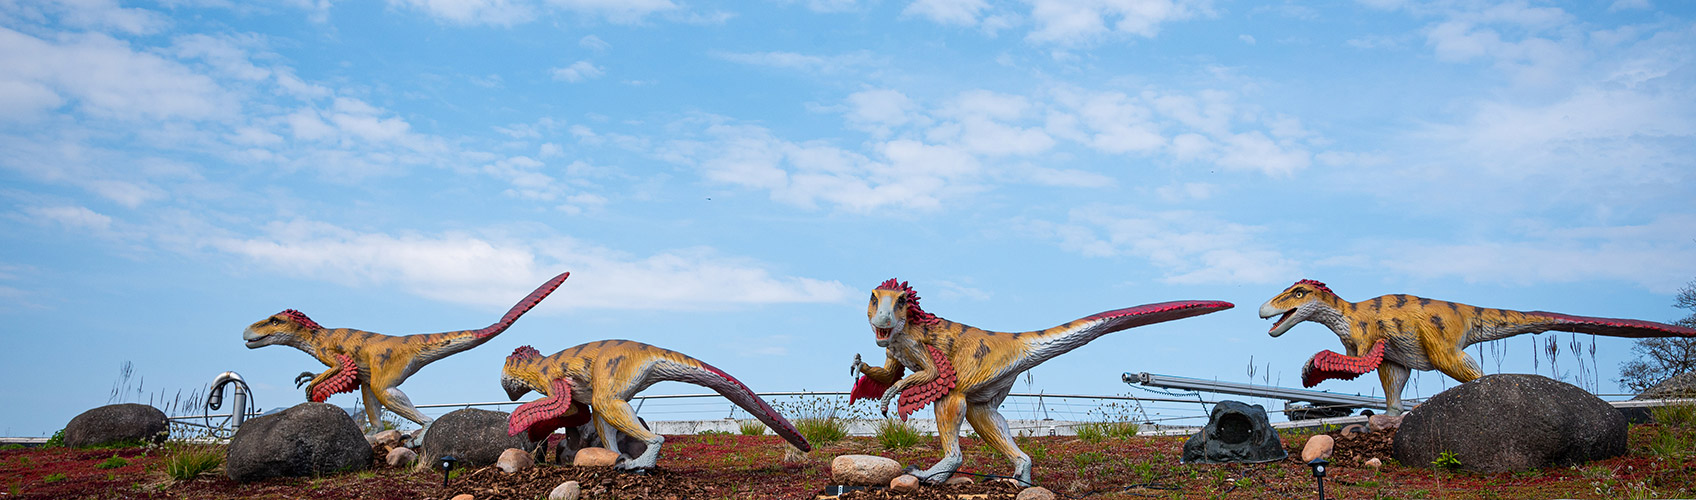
point(819, 419)
point(1675, 415)
point(1447, 460)
point(896, 434)
point(1096, 431)
point(11, 446)
point(751, 428)
point(822, 430)
point(186, 461)
point(56, 441)
point(54, 477)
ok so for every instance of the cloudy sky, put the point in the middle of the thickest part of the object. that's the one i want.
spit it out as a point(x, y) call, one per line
point(729, 179)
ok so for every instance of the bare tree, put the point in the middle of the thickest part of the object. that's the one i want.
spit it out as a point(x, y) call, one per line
point(1659, 359)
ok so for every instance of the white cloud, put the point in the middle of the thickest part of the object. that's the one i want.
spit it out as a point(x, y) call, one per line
point(495, 272)
point(74, 217)
point(104, 77)
point(594, 43)
point(1188, 247)
point(1246, 38)
point(880, 109)
point(955, 12)
point(1077, 22)
point(1620, 5)
point(578, 72)
point(95, 14)
point(510, 12)
point(806, 63)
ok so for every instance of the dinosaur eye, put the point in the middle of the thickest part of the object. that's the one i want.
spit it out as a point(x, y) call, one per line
point(1301, 293)
point(273, 321)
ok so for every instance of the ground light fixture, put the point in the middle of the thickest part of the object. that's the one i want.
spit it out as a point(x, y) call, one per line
point(1318, 466)
point(447, 465)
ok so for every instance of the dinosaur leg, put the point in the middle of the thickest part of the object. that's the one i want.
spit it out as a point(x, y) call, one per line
point(373, 409)
point(1394, 377)
point(992, 427)
point(1459, 365)
point(949, 411)
point(616, 413)
point(398, 403)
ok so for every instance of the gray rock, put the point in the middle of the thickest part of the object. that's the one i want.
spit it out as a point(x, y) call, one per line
point(585, 436)
point(1679, 386)
point(1511, 422)
point(514, 460)
point(117, 423)
point(474, 437)
point(1235, 432)
point(863, 470)
point(310, 439)
point(401, 457)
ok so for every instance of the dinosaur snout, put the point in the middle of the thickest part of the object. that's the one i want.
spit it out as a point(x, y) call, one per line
point(514, 388)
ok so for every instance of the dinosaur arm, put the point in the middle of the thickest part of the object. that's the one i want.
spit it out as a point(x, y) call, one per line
point(1330, 365)
point(541, 417)
point(925, 386)
point(876, 380)
point(340, 378)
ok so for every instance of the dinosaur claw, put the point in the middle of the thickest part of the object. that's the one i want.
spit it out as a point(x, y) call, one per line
point(303, 378)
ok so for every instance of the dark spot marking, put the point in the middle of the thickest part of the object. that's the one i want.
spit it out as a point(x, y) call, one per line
point(1454, 307)
point(546, 369)
point(1401, 300)
point(982, 351)
point(1378, 303)
point(1437, 321)
point(1363, 326)
point(1381, 326)
point(1424, 301)
point(389, 351)
point(1398, 323)
point(612, 364)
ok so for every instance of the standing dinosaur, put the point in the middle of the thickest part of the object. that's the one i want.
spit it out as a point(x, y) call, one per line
point(594, 382)
point(373, 362)
point(968, 371)
point(1397, 333)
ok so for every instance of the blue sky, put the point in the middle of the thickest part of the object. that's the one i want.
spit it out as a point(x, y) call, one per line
point(729, 179)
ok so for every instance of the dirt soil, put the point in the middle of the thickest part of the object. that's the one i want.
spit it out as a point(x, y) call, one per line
point(750, 467)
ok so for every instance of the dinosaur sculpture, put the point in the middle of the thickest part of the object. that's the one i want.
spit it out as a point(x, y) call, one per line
point(593, 382)
point(1397, 333)
point(968, 371)
point(373, 362)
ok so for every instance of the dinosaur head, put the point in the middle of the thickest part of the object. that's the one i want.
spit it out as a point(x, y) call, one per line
point(893, 306)
point(1298, 303)
point(286, 327)
point(515, 376)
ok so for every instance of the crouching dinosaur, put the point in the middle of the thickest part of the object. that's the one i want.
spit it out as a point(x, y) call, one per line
point(593, 382)
point(374, 363)
point(1395, 334)
point(968, 371)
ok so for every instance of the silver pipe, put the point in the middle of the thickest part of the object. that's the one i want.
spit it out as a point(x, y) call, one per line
point(1265, 391)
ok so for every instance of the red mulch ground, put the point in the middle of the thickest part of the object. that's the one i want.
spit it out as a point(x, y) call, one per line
point(742, 467)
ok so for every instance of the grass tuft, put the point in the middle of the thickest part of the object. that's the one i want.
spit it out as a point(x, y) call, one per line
point(751, 427)
point(186, 461)
point(894, 434)
point(1096, 431)
point(112, 463)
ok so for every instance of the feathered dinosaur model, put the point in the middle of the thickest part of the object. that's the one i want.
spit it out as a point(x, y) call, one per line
point(1397, 333)
point(968, 371)
point(593, 382)
point(376, 363)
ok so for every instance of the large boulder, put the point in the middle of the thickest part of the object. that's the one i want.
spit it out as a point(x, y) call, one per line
point(1679, 386)
point(1235, 432)
point(309, 439)
point(474, 437)
point(114, 424)
point(1511, 422)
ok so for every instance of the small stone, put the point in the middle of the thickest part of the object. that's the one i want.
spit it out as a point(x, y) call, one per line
point(958, 480)
point(1035, 493)
point(594, 457)
point(791, 454)
point(568, 490)
point(399, 457)
point(1318, 446)
point(1377, 423)
point(863, 470)
point(514, 460)
point(1374, 462)
point(905, 483)
point(464, 496)
point(1352, 430)
point(389, 438)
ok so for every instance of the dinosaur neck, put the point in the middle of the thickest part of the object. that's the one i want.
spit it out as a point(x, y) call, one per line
point(1335, 317)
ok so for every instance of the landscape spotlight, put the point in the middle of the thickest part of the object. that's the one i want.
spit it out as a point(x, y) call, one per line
point(1318, 465)
point(447, 465)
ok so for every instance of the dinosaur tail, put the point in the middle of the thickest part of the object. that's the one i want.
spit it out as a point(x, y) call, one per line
point(523, 306)
point(706, 375)
point(1046, 344)
point(1543, 321)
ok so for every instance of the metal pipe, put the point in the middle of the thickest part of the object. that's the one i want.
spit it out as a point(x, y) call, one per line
point(1265, 391)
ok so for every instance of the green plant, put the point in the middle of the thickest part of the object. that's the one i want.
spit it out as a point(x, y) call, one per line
point(1096, 431)
point(112, 463)
point(1091, 432)
point(751, 427)
point(1674, 415)
point(895, 434)
point(56, 441)
point(184, 461)
point(822, 420)
point(54, 477)
point(1088, 458)
point(711, 432)
point(11, 446)
point(1447, 460)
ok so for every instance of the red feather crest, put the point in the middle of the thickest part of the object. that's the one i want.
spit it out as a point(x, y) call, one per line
point(300, 317)
point(523, 353)
point(1316, 284)
point(915, 314)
